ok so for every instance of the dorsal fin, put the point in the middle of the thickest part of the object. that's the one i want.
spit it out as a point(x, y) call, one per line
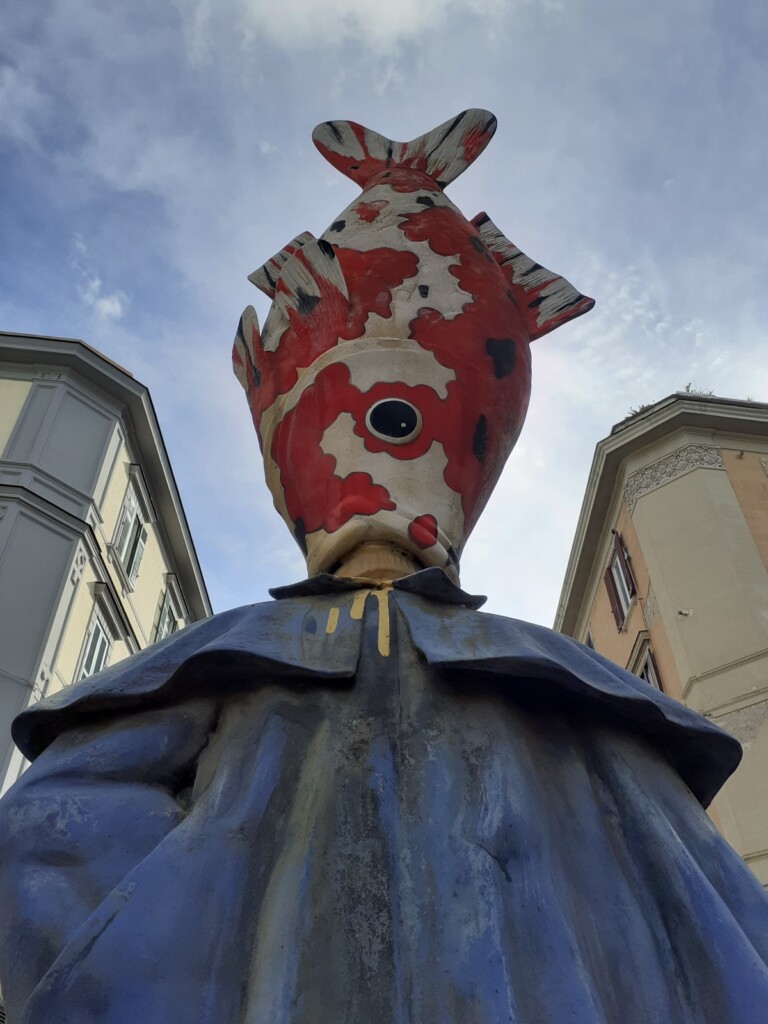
point(546, 300)
point(311, 286)
point(443, 153)
point(266, 276)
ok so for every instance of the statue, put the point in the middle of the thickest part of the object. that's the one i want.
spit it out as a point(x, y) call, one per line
point(367, 801)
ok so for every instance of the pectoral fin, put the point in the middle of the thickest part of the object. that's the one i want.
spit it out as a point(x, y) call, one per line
point(545, 300)
point(266, 276)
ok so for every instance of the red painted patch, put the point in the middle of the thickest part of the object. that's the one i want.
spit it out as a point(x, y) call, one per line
point(371, 277)
point(404, 180)
point(474, 143)
point(368, 212)
point(423, 531)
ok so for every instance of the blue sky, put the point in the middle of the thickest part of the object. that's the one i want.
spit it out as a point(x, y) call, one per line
point(153, 155)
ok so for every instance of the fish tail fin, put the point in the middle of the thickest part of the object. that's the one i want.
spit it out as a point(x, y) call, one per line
point(443, 153)
point(545, 299)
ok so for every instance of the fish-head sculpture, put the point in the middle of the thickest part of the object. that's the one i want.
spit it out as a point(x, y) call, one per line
point(392, 376)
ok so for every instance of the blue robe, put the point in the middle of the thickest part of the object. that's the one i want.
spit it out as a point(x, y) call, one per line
point(333, 808)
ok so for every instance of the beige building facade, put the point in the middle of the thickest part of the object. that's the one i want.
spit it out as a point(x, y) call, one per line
point(668, 577)
point(96, 557)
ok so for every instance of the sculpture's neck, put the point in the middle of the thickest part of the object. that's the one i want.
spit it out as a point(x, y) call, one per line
point(377, 561)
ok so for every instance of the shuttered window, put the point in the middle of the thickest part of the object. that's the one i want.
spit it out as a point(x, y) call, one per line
point(131, 536)
point(96, 648)
point(167, 621)
point(619, 581)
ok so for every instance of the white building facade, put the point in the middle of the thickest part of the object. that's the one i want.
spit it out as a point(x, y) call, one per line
point(96, 557)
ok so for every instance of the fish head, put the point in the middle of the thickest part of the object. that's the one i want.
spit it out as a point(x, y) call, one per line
point(399, 432)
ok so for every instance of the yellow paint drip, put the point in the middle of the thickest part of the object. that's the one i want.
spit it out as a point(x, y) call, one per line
point(358, 604)
point(382, 596)
point(358, 608)
point(333, 620)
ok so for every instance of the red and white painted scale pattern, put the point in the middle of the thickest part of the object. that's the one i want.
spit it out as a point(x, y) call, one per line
point(401, 299)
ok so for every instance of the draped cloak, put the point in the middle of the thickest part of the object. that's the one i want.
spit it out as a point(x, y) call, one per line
point(373, 806)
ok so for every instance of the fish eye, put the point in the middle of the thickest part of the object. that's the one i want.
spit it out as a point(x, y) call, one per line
point(394, 420)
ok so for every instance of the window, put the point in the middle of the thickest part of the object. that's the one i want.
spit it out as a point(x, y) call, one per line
point(649, 672)
point(96, 648)
point(131, 533)
point(642, 662)
point(171, 610)
point(168, 621)
point(619, 581)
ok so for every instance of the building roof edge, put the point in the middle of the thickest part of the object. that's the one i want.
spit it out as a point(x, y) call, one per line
point(675, 412)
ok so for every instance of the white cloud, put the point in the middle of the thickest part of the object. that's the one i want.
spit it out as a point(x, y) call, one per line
point(21, 105)
point(89, 286)
point(305, 24)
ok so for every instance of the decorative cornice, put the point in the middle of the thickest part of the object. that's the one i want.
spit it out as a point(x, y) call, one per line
point(663, 471)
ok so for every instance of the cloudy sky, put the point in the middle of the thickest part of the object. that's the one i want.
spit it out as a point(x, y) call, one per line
point(153, 154)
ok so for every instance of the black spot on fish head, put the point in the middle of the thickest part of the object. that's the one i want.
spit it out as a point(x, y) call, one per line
point(425, 200)
point(503, 353)
point(480, 438)
point(327, 248)
point(338, 225)
point(423, 290)
point(300, 534)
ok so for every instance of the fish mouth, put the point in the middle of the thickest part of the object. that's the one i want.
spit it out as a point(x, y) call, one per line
point(326, 552)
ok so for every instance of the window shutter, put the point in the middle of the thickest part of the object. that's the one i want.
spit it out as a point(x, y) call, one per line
point(138, 551)
point(626, 572)
point(128, 516)
point(123, 530)
point(613, 597)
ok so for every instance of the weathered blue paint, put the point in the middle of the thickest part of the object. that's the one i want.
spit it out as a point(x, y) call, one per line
point(261, 821)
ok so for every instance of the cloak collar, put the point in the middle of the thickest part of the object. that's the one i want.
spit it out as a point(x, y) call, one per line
point(312, 634)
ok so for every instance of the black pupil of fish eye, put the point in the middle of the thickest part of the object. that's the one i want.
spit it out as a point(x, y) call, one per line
point(393, 419)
